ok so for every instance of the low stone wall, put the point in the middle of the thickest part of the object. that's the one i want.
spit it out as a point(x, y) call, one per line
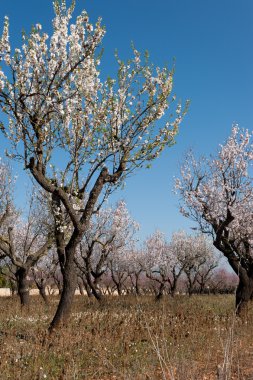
point(6, 292)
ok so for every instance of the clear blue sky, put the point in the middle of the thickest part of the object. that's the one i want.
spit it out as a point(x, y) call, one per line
point(212, 41)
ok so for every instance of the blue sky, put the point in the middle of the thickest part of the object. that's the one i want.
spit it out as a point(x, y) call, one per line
point(212, 42)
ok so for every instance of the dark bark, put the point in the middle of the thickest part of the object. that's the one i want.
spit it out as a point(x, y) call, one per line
point(87, 288)
point(160, 292)
point(23, 286)
point(242, 264)
point(173, 288)
point(93, 286)
point(67, 258)
point(244, 293)
point(119, 280)
point(92, 282)
point(119, 288)
point(69, 286)
point(134, 278)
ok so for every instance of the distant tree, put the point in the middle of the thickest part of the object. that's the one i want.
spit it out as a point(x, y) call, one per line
point(182, 256)
point(196, 258)
point(102, 131)
point(206, 272)
point(43, 272)
point(118, 266)
point(190, 255)
point(223, 282)
point(24, 244)
point(217, 193)
point(197, 275)
point(157, 263)
point(136, 271)
point(111, 231)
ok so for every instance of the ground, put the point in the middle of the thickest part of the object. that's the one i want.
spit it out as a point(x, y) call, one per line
point(128, 338)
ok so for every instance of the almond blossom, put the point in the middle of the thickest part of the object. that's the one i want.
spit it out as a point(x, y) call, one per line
point(217, 193)
point(77, 135)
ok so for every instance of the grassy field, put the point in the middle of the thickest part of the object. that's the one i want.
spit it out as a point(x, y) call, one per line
point(127, 338)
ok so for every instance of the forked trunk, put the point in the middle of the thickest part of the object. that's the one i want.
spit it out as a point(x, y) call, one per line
point(67, 296)
point(66, 254)
point(97, 294)
point(87, 288)
point(94, 288)
point(23, 286)
point(119, 289)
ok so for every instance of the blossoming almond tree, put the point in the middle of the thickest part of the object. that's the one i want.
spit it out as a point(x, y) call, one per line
point(158, 261)
point(217, 194)
point(136, 264)
point(78, 136)
point(196, 258)
point(185, 254)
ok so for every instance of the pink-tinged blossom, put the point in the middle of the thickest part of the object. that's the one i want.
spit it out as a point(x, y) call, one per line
point(217, 193)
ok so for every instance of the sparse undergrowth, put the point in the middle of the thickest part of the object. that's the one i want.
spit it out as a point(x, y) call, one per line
point(128, 338)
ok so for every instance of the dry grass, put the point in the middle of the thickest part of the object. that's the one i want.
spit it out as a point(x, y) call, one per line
point(127, 338)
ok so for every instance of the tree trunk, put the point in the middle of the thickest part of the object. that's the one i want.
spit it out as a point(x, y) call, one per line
point(13, 287)
point(42, 291)
point(244, 293)
point(137, 288)
point(135, 283)
point(23, 286)
point(87, 288)
point(93, 285)
point(119, 289)
point(69, 286)
point(173, 286)
point(160, 292)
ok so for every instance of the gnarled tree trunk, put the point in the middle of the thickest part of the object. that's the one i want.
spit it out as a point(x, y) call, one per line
point(23, 286)
point(87, 288)
point(244, 294)
point(69, 286)
point(94, 288)
point(243, 268)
